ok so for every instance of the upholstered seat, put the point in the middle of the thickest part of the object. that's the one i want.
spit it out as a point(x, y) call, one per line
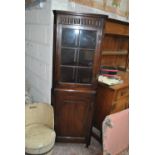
point(39, 130)
point(115, 133)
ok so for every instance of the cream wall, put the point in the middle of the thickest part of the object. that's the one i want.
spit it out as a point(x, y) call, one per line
point(38, 52)
point(72, 6)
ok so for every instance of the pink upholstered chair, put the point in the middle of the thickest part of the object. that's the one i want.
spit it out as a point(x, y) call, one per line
point(115, 133)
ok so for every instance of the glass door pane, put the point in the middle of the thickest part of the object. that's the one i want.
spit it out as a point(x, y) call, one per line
point(68, 57)
point(77, 55)
point(85, 58)
point(88, 39)
point(69, 37)
point(84, 75)
point(68, 74)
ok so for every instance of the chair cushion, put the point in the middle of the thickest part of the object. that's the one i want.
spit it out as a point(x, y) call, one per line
point(39, 139)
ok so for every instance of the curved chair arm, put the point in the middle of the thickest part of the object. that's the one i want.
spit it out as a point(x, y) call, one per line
point(41, 113)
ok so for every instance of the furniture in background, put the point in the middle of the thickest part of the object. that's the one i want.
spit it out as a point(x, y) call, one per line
point(76, 65)
point(115, 133)
point(115, 44)
point(111, 99)
point(115, 52)
point(39, 129)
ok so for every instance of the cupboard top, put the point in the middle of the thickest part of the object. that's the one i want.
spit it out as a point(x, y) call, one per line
point(79, 14)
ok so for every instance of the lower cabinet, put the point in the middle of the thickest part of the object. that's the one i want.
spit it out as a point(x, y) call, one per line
point(73, 115)
point(110, 99)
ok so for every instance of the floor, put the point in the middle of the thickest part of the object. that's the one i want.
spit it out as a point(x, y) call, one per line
point(95, 148)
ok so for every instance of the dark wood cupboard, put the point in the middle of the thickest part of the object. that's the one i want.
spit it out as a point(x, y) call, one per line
point(77, 45)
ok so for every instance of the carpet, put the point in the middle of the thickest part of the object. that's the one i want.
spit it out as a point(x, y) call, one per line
point(94, 148)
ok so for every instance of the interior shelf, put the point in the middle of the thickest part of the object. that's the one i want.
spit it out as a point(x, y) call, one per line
point(121, 52)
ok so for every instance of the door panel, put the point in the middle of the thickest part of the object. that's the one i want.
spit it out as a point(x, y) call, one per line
point(73, 113)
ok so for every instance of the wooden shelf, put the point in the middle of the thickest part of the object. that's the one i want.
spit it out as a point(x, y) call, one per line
point(117, 28)
point(124, 52)
point(116, 34)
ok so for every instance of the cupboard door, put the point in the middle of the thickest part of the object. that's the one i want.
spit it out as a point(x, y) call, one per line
point(73, 112)
point(77, 49)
